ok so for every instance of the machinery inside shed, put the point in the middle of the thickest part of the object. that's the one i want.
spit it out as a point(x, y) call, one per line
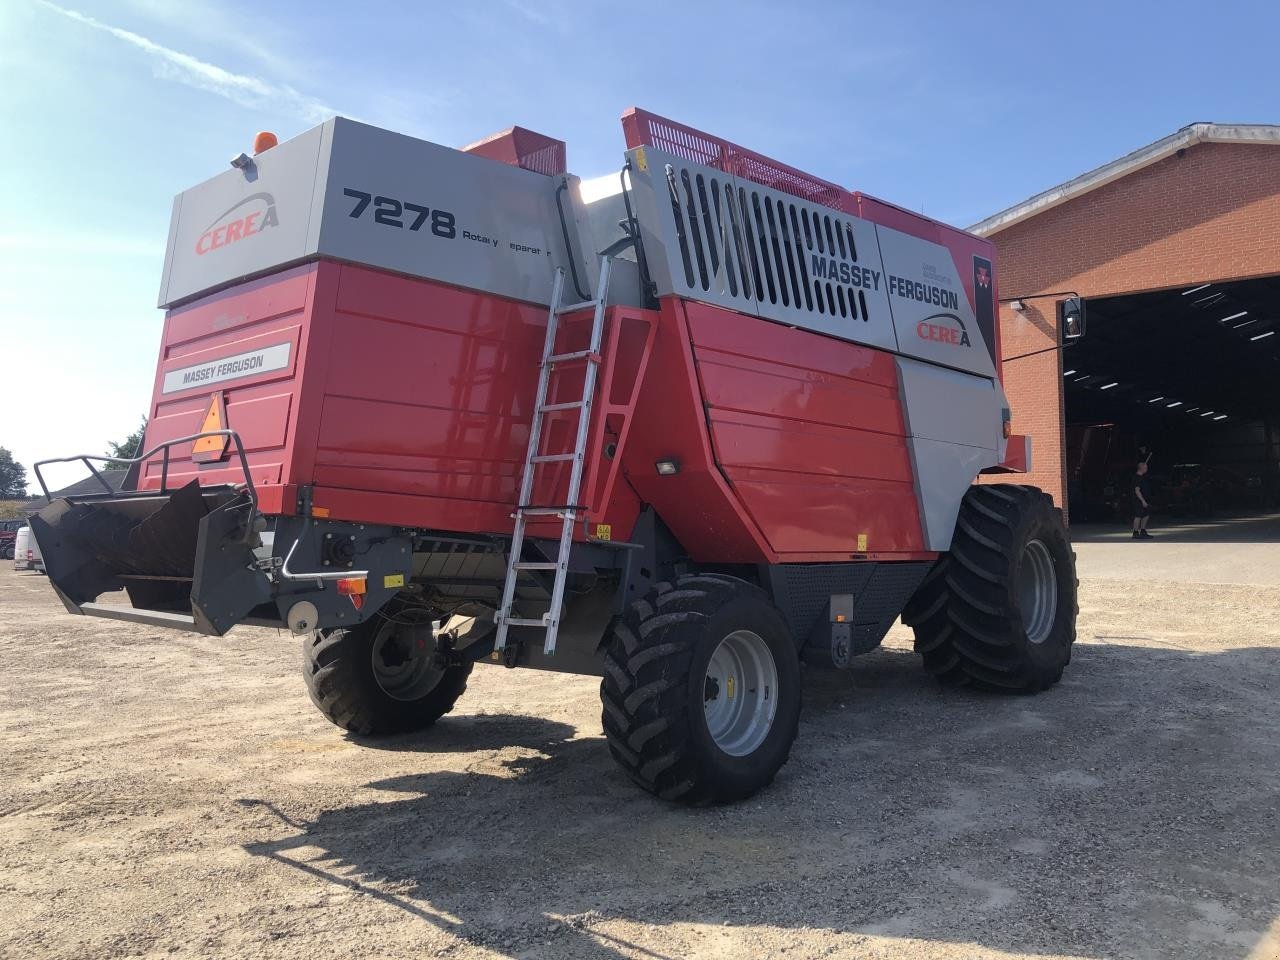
point(1190, 376)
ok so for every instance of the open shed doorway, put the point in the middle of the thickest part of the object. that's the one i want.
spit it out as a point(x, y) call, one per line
point(1192, 378)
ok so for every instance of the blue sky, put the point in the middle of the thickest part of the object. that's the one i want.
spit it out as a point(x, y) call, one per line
point(107, 109)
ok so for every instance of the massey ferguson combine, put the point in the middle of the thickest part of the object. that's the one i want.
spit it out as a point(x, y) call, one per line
point(683, 428)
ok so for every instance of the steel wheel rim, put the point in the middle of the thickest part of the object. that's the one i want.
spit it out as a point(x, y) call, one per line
point(1037, 591)
point(404, 670)
point(740, 693)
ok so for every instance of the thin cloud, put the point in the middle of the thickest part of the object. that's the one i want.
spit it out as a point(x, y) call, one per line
point(214, 24)
point(252, 92)
point(537, 12)
point(530, 12)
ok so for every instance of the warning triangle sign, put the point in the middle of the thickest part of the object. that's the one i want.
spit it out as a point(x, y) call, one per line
point(212, 449)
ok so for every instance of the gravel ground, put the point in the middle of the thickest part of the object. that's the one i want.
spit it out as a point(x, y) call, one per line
point(165, 794)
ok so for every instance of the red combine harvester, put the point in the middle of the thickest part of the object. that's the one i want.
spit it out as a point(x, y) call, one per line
point(682, 428)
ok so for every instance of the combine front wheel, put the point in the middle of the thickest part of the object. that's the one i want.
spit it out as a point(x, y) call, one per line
point(999, 610)
point(701, 690)
point(382, 676)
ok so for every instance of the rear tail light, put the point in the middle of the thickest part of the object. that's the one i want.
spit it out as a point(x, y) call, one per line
point(354, 588)
point(31, 555)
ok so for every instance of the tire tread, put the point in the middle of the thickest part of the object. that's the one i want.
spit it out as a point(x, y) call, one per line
point(967, 630)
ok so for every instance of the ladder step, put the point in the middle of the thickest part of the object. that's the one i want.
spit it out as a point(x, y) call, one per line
point(567, 515)
point(571, 405)
point(589, 355)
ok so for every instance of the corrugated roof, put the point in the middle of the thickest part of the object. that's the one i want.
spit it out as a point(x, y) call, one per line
point(1188, 136)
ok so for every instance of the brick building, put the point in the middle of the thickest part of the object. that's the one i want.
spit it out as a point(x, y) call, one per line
point(1176, 250)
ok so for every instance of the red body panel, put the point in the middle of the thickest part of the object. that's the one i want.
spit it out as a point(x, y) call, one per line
point(408, 402)
point(810, 433)
point(262, 408)
point(523, 148)
point(1017, 456)
point(405, 401)
point(791, 445)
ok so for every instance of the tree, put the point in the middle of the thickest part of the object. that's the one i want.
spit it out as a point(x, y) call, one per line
point(13, 477)
point(131, 446)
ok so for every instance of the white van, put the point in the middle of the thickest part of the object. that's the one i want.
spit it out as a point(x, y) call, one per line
point(26, 553)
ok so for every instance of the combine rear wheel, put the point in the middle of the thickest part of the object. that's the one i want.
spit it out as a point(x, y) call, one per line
point(999, 611)
point(381, 676)
point(701, 690)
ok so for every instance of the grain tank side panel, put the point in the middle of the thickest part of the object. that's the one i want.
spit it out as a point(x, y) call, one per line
point(810, 434)
point(249, 344)
point(698, 504)
point(424, 411)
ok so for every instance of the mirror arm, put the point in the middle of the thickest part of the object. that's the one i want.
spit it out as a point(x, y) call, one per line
point(1064, 343)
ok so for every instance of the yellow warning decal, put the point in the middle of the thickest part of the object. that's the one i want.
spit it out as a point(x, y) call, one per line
point(862, 543)
point(604, 531)
point(729, 684)
point(642, 162)
point(393, 580)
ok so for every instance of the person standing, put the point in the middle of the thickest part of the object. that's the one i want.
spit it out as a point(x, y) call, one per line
point(1141, 501)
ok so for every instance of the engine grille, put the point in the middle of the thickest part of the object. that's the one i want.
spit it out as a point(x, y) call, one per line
point(743, 243)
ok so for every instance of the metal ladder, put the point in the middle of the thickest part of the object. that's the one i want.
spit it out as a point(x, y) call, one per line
point(570, 511)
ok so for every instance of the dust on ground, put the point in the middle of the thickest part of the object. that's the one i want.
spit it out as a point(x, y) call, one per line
point(165, 794)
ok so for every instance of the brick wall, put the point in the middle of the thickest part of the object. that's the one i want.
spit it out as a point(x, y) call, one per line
point(1210, 213)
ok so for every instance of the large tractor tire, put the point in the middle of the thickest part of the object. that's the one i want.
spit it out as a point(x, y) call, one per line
point(701, 690)
point(999, 610)
point(380, 677)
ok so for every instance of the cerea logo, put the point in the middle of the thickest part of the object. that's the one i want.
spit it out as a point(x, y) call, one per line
point(943, 328)
point(252, 215)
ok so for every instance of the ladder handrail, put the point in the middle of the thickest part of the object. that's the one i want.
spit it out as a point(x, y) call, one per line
point(526, 481)
point(569, 514)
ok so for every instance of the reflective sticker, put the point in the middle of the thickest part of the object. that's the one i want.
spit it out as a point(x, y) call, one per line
point(862, 543)
point(729, 685)
point(212, 449)
point(604, 531)
point(393, 580)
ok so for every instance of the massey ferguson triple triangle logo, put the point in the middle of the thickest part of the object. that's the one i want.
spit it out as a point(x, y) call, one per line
point(253, 214)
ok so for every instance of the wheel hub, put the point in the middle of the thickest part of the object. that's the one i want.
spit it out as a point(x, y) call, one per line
point(740, 693)
point(404, 656)
point(1037, 591)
